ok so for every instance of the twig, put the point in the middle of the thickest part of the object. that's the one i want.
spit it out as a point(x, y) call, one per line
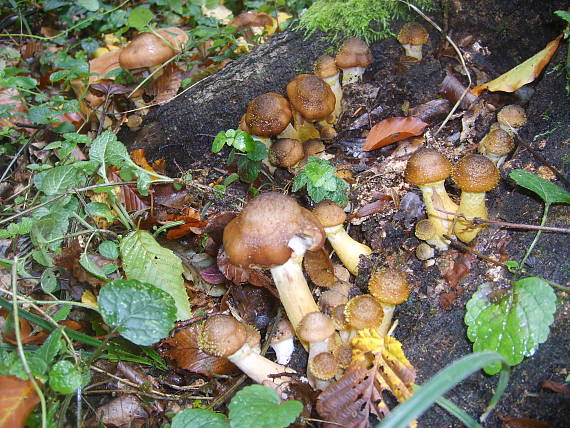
point(146, 394)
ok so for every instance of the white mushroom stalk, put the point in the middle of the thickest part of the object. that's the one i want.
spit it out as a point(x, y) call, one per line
point(347, 249)
point(258, 368)
point(283, 350)
point(352, 75)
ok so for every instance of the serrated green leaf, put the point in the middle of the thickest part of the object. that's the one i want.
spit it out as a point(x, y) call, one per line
point(58, 180)
point(259, 406)
point(59, 75)
point(199, 418)
point(219, 142)
point(146, 260)
point(51, 347)
point(90, 5)
point(300, 181)
point(91, 267)
point(99, 209)
point(550, 193)
point(514, 326)
point(101, 149)
point(141, 312)
point(140, 17)
point(40, 114)
point(317, 194)
point(48, 281)
point(16, 229)
point(64, 377)
point(259, 152)
point(109, 249)
point(318, 171)
point(248, 170)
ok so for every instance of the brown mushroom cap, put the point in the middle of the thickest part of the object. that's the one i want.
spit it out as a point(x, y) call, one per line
point(315, 327)
point(363, 311)
point(389, 286)
point(329, 213)
point(353, 52)
point(267, 114)
point(325, 67)
point(425, 230)
point(338, 317)
point(424, 251)
point(286, 152)
point(334, 296)
point(323, 366)
point(313, 147)
point(222, 335)
point(427, 166)
point(253, 336)
point(148, 50)
point(260, 234)
point(311, 97)
point(284, 331)
point(497, 142)
point(475, 174)
point(251, 19)
point(512, 115)
point(343, 355)
point(413, 33)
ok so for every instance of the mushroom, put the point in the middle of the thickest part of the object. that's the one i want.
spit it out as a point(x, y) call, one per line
point(390, 287)
point(286, 153)
point(343, 354)
point(496, 145)
point(424, 252)
point(363, 311)
point(474, 175)
point(224, 336)
point(273, 232)
point(413, 36)
point(282, 342)
point(511, 117)
point(326, 69)
point(352, 58)
point(334, 296)
point(312, 101)
point(253, 23)
point(323, 367)
point(428, 169)
point(316, 329)
point(426, 230)
point(348, 250)
point(267, 115)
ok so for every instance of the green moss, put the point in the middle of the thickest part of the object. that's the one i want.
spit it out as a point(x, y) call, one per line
point(367, 19)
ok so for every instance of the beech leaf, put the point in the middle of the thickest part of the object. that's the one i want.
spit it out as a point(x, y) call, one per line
point(17, 399)
point(393, 129)
point(523, 73)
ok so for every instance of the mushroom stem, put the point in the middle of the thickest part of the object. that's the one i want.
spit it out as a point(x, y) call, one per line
point(351, 75)
point(470, 205)
point(283, 350)
point(305, 130)
point(387, 320)
point(258, 368)
point(414, 51)
point(347, 249)
point(334, 84)
point(436, 200)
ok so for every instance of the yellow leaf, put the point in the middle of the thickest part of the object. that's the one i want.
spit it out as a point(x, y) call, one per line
point(523, 73)
point(88, 298)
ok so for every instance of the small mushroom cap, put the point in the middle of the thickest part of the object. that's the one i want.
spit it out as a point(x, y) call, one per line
point(338, 317)
point(323, 366)
point(311, 97)
point(267, 114)
point(325, 67)
point(284, 331)
point(260, 234)
point(313, 147)
point(334, 296)
point(353, 52)
point(497, 142)
point(425, 229)
point(329, 213)
point(343, 355)
point(286, 152)
point(363, 311)
point(413, 33)
point(148, 50)
point(427, 166)
point(424, 251)
point(476, 174)
point(512, 115)
point(251, 19)
point(389, 286)
point(315, 327)
point(222, 336)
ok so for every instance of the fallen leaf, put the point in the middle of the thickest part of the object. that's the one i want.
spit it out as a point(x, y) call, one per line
point(192, 224)
point(239, 275)
point(393, 129)
point(550, 385)
point(127, 194)
point(452, 89)
point(255, 305)
point(17, 399)
point(522, 423)
point(431, 112)
point(523, 73)
point(11, 97)
point(460, 269)
point(319, 267)
point(377, 206)
point(120, 412)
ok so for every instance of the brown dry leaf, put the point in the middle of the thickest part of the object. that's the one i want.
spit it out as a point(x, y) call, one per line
point(239, 275)
point(460, 269)
point(217, 223)
point(166, 86)
point(255, 305)
point(393, 129)
point(183, 350)
point(319, 267)
point(28, 335)
point(192, 224)
point(452, 89)
point(69, 259)
point(119, 412)
point(381, 204)
point(128, 196)
point(522, 423)
point(550, 385)
point(17, 399)
point(10, 96)
point(523, 73)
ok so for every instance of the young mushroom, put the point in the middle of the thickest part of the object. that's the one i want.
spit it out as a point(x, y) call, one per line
point(286, 153)
point(273, 232)
point(352, 58)
point(224, 336)
point(323, 367)
point(316, 329)
point(426, 230)
point(326, 69)
point(363, 311)
point(428, 169)
point(282, 342)
point(413, 36)
point(390, 287)
point(496, 145)
point(267, 115)
point(348, 250)
point(511, 117)
point(474, 175)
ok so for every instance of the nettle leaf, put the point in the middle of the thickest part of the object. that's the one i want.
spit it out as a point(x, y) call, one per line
point(109, 249)
point(59, 179)
point(259, 406)
point(146, 260)
point(318, 170)
point(99, 209)
point(550, 193)
point(513, 326)
point(141, 312)
point(199, 418)
point(17, 229)
point(300, 181)
point(64, 377)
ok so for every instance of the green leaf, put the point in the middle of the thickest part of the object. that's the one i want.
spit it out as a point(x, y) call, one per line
point(259, 406)
point(515, 325)
point(59, 75)
point(48, 281)
point(243, 141)
point(90, 5)
point(109, 249)
point(199, 418)
point(141, 312)
point(99, 209)
point(40, 114)
point(58, 180)
point(17, 229)
point(144, 259)
point(140, 17)
point(300, 181)
point(102, 152)
point(259, 153)
point(550, 193)
point(219, 142)
point(91, 267)
point(248, 170)
point(563, 14)
point(64, 377)
point(318, 170)
point(51, 347)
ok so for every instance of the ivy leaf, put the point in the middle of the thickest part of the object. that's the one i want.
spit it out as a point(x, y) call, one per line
point(142, 313)
point(140, 17)
point(64, 377)
point(550, 193)
point(259, 406)
point(513, 326)
point(199, 418)
point(145, 260)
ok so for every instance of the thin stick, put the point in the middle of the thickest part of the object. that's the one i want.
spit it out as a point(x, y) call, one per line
point(146, 394)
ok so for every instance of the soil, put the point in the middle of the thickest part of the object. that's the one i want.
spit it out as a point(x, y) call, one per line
point(431, 327)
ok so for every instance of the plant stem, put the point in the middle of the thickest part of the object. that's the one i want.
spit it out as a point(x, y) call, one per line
point(166, 227)
point(81, 232)
point(533, 243)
